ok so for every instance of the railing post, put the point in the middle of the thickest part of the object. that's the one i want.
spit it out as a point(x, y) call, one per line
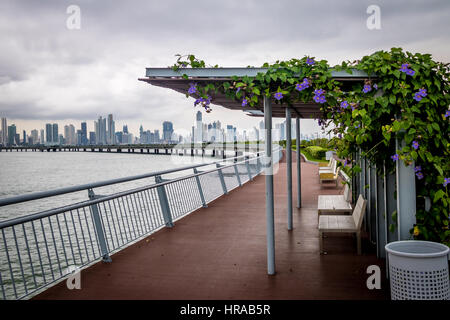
point(236, 172)
point(200, 190)
point(222, 180)
point(99, 228)
point(164, 202)
point(248, 168)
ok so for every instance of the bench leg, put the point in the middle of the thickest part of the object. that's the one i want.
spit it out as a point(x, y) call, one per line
point(320, 242)
point(358, 242)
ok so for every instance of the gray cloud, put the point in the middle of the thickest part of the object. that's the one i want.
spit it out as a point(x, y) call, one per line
point(50, 72)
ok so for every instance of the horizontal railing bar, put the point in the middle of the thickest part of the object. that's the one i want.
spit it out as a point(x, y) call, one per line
point(47, 213)
point(61, 191)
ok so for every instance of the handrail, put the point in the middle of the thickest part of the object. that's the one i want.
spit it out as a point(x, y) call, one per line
point(47, 213)
point(61, 191)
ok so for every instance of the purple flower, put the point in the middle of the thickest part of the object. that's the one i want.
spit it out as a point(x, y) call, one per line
point(192, 89)
point(415, 145)
point(423, 92)
point(419, 175)
point(358, 126)
point(447, 114)
point(394, 157)
point(367, 88)
point(319, 96)
point(345, 162)
point(410, 72)
point(417, 96)
point(319, 92)
point(353, 107)
point(404, 67)
point(310, 61)
point(184, 65)
point(446, 181)
point(417, 169)
point(375, 86)
point(278, 96)
point(344, 104)
point(340, 136)
point(302, 86)
point(238, 89)
point(244, 102)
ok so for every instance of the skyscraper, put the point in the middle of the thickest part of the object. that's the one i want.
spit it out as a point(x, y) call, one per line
point(83, 133)
point(167, 131)
point(55, 133)
point(48, 133)
point(199, 129)
point(111, 130)
point(100, 130)
point(24, 141)
point(11, 134)
point(4, 136)
point(42, 139)
point(34, 136)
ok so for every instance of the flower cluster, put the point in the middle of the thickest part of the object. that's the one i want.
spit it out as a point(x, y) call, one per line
point(367, 88)
point(344, 104)
point(418, 171)
point(193, 88)
point(204, 102)
point(404, 68)
point(278, 96)
point(394, 157)
point(310, 61)
point(302, 86)
point(422, 93)
point(415, 145)
point(446, 181)
point(319, 96)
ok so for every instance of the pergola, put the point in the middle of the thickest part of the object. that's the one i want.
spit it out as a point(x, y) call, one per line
point(270, 108)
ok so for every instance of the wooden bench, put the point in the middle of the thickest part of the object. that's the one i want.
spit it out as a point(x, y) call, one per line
point(329, 168)
point(327, 204)
point(329, 176)
point(344, 224)
point(324, 165)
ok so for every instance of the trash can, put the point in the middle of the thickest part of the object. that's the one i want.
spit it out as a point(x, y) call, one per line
point(418, 270)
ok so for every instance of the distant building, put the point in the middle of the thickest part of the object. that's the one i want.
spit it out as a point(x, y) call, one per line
point(48, 133)
point(4, 136)
point(34, 136)
point(167, 131)
point(111, 133)
point(92, 138)
point(11, 134)
point(84, 139)
point(24, 141)
point(55, 133)
point(42, 139)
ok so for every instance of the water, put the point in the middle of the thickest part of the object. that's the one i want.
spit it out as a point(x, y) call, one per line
point(28, 172)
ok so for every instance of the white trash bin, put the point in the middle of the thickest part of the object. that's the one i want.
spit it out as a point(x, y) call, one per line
point(418, 270)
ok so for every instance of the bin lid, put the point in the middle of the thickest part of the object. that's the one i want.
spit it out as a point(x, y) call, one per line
point(417, 249)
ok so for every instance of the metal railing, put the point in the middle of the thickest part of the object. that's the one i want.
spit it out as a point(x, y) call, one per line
point(40, 249)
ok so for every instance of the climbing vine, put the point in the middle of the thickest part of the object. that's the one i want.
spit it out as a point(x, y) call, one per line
point(399, 113)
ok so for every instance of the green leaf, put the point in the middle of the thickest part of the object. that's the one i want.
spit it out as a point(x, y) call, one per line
point(438, 195)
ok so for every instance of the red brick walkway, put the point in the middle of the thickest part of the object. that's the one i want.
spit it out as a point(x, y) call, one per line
point(219, 252)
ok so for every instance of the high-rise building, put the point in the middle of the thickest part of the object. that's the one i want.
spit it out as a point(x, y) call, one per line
point(55, 133)
point(42, 139)
point(199, 128)
point(12, 135)
point(167, 131)
point(48, 133)
point(92, 138)
point(4, 136)
point(111, 130)
point(24, 141)
point(84, 133)
point(125, 129)
point(34, 136)
point(100, 130)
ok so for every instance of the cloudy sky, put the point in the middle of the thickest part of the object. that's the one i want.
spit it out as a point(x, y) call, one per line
point(49, 73)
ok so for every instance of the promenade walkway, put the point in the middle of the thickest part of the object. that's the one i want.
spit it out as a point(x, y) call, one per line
point(219, 252)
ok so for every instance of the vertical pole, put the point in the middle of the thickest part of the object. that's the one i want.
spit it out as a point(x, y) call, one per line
point(200, 190)
point(99, 228)
point(247, 164)
point(299, 167)
point(269, 188)
point(222, 180)
point(289, 166)
point(236, 172)
point(406, 198)
point(164, 202)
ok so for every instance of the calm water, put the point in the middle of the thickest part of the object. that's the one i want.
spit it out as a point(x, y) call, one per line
point(27, 172)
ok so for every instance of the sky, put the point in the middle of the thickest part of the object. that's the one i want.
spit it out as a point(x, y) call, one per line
point(52, 73)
